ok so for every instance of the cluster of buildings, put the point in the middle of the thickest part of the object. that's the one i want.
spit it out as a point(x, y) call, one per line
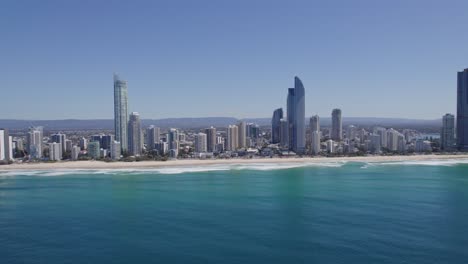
point(289, 135)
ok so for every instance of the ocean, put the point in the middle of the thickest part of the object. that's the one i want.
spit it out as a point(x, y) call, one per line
point(398, 212)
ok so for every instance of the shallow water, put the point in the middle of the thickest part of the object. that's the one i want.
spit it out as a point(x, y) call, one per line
point(403, 212)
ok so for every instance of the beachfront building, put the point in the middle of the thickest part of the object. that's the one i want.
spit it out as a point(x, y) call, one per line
point(315, 143)
point(200, 142)
point(462, 110)
point(121, 112)
point(6, 145)
point(115, 150)
point(276, 126)
point(94, 150)
point(296, 116)
point(135, 142)
point(55, 151)
point(241, 132)
point(75, 152)
point(337, 125)
point(284, 133)
point(34, 142)
point(232, 138)
point(447, 134)
point(153, 135)
point(211, 139)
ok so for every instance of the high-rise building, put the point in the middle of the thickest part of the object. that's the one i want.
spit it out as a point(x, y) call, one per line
point(351, 132)
point(296, 116)
point(330, 146)
point(173, 138)
point(382, 132)
point(337, 125)
point(315, 123)
point(153, 135)
point(211, 139)
point(375, 143)
point(34, 142)
point(55, 151)
point(232, 138)
point(315, 142)
point(200, 142)
point(75, 152)
point(135, 143)
point(94, 150)
point(462, 110)
point(284, 133)
point(276, 125)
point(392, 139)
point(6, 145)
point(121, 112)
point(447, 135)
point(61, 139)
point(83, 143)
point(115, 150)
point(242, 129)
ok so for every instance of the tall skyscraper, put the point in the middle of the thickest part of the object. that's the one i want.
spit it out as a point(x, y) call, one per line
point(447, 134)
point(315, 123)
point(232, 138)
point(211, 139)
point(337, 126)
point(284, 133)
point(153, 135)
point(276, 125)
point(83, 143)
point(173, 138)
point(55, 151)
point(34, 142)
point(121, 112)
point(242, 130)
point(6, 145)
point(135, 143)
point(462, 110)
point(200, 142)
point(296, 116)
point(315, 142)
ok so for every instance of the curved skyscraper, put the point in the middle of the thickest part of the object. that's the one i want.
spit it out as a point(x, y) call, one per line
point(296, 116)
point(121, 112)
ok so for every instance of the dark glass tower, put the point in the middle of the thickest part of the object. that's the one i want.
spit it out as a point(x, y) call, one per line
point(462, 110)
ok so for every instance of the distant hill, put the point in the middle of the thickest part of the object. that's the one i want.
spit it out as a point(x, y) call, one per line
point(198, 122)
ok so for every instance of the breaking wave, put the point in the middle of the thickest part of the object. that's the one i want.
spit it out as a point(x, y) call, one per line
point(227, 167)
point(167, 170)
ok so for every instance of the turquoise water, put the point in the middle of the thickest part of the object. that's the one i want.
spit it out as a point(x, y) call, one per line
point(336, 213)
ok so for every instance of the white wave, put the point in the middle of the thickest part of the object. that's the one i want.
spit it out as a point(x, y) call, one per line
point(170, 170)
point(435, 162)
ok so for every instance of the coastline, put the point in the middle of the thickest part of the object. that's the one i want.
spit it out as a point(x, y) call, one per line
point(92, 165)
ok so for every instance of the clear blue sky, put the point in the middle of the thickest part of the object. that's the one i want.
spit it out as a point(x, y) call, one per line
point(231, 58)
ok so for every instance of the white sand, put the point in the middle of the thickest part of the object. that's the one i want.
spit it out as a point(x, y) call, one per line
point(90, 165)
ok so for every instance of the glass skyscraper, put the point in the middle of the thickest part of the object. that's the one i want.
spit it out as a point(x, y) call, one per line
point(121, 112)
point(276, 125)
point(296, 116)
point(462, 110)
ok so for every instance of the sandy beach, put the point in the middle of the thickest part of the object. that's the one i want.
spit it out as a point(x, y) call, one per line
point(238, 161)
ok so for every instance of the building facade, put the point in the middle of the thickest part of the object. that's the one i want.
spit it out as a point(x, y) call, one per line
point(296, 116)
point(462, 110)
point(447, 134)
point(121, 112)
point(135, 143)
point(276, 125)
point(201, 142)
point(232, 138)
point(337, 125)
point(211, 139)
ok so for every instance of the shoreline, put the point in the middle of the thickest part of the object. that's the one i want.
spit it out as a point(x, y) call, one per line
point(93, 165)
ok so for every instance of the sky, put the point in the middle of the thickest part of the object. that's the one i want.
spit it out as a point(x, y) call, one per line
point(204, 58)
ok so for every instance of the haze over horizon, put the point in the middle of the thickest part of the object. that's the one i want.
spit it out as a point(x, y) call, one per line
point(231, 59)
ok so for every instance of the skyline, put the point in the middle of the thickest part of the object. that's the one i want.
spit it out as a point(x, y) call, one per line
point(187, 67)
